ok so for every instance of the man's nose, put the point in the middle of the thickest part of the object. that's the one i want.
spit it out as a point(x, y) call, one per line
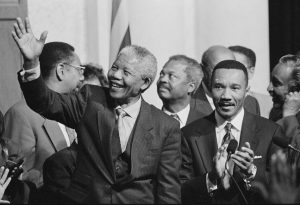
point(226, 94)
point(270, 88)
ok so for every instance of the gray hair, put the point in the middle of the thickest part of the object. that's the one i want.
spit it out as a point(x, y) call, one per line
point(147, 61)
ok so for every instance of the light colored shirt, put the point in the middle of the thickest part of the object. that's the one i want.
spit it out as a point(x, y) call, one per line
point(132, 112)
point(182, 114)
point(235, 130)
point(63, 130)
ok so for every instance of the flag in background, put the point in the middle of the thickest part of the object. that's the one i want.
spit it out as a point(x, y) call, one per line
point(120, 32)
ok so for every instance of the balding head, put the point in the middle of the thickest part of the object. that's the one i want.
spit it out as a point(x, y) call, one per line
point(211, 57)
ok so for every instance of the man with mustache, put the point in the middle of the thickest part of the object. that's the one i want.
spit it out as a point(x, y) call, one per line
point(202, 99)
point(205, 157)
point(178, 81)
point(128, 151)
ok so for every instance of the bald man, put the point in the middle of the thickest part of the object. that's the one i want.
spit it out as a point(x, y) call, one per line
point(202, 100)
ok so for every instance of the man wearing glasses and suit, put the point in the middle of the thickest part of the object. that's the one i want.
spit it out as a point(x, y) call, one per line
point(30, 135)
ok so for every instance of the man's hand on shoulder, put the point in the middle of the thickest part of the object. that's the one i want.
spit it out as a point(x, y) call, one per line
point(30, 47)
point(291, 105)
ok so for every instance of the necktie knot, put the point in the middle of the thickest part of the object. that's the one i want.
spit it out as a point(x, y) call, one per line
point(120, 112)
point(228, 127)
point(228, 136)
point(176, 117)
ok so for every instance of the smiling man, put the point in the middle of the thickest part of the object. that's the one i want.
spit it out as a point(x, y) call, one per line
point(206, 140)
point(128, 150)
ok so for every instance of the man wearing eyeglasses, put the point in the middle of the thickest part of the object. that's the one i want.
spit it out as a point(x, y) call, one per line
point(128, 151)
point(30, 135)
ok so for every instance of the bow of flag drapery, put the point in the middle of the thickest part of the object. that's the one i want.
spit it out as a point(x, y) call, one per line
point(120, 32)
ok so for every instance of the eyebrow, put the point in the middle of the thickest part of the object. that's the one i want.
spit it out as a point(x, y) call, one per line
point(276, 80)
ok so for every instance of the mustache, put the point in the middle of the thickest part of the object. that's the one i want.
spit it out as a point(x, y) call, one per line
point(226, 103)
point(163, 85)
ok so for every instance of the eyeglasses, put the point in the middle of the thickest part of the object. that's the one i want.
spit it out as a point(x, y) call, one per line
point(77, 67)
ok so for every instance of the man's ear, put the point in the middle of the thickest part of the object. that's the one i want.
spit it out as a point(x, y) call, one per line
point(59, 69)
point(251, 71)
point(147, 83)
point(192, 87)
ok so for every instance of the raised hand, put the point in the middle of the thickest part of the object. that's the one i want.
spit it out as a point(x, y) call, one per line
point(282, 187)
point(29, 45)
point(291, 104)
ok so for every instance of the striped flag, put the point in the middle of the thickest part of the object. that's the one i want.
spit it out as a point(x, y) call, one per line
point(120, 32)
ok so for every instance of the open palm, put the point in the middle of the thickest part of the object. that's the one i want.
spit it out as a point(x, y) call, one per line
point(29, 45)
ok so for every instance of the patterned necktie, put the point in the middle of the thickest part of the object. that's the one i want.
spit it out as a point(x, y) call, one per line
point(121, 127)
point(226, 139)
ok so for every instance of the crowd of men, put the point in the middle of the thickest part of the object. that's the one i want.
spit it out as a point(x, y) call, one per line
point(82, 137)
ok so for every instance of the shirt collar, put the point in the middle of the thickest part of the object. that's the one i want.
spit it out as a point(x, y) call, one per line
point(236, 121)
point(182, 114)
point(133, 110)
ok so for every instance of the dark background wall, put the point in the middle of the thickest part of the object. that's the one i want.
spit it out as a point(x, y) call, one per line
point(284, 21)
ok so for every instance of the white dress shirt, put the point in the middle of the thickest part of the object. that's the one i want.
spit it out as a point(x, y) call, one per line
point(182, 114)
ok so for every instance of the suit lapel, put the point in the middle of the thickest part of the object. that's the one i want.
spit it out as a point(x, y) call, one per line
point(207, 143)
point(200, 102)
point(248, 131)
point(142, 137)
point(55, 134)
point(106, 123)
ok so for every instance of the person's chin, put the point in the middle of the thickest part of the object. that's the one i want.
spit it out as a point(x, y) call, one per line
point(227, 113)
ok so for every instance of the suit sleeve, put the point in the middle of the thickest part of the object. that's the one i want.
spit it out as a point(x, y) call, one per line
point(65, 108)
point(186, 170)
point(168, 190)
point(290, 126)
point(21, 142)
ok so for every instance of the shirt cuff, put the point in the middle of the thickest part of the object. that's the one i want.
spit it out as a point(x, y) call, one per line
point(250, 178)
point(210, 186)
point(30, 74)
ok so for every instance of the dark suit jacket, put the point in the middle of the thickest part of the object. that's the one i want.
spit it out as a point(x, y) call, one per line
point(57, 174)
point(200, 103)
point(291, 128)
point(201, 145)
point(155, 152)
point(33, 137)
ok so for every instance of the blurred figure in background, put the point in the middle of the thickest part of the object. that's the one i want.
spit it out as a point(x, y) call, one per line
point(248, 58)
point(94, 75)
point(284, 88)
